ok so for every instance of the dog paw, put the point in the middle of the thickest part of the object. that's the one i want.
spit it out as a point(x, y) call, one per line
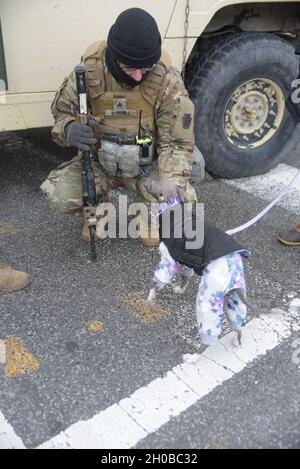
point(191, 358)
point(178, 290)
point(151, 296)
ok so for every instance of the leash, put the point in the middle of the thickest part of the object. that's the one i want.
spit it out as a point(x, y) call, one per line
point(266, 209)
point(161, 207)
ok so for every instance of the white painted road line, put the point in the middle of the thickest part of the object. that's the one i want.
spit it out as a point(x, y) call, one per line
point(269, 186)
point(124, 424)
point(113, 428)
point(8, 438)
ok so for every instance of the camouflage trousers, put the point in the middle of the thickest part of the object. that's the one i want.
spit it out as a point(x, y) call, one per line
point(63, 187)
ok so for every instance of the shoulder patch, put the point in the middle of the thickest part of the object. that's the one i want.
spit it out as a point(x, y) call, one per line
point(186, 121)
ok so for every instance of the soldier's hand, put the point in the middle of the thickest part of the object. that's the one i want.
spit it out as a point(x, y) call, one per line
point(80, 136)
point(163, 189)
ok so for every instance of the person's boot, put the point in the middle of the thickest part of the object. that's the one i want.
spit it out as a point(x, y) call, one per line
point(100, 227)
point(85, 234)
point(149, 235)
point(12, 280)
point(290, 237)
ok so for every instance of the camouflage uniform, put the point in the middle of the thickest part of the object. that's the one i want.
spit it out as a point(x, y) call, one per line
point(174, 140)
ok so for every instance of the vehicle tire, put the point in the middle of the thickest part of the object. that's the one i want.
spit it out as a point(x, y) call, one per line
point(239, 87)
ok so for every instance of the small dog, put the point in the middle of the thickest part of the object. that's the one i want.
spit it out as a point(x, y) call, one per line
point(222, 288)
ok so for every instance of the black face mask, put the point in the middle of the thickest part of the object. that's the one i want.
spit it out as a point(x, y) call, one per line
point(118, 73)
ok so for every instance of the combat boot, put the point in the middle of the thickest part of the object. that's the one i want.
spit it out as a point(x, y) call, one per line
point(100, 230)
point(85, 234)
point(12, 280)
point(100, 227)
point(290, 237)
point(149, 235)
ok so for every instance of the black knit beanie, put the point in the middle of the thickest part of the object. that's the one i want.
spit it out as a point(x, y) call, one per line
point(134, 39)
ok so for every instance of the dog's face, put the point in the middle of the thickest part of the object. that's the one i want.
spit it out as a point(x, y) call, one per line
point(163, 189)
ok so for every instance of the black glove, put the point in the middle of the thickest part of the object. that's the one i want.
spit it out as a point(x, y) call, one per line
point(79, 135)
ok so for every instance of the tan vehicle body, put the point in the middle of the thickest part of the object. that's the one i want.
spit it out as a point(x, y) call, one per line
point(43, 41)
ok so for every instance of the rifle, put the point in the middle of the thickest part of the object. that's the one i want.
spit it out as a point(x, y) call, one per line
point(88, 176)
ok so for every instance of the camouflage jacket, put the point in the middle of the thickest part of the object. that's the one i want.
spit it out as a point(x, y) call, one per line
point(174, 119)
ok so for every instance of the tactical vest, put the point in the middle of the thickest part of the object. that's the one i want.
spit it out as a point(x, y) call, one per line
point(121, 112)
point(118, 108)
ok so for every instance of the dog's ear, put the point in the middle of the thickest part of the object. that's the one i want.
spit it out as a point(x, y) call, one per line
point(155, 188)
point(146, 185)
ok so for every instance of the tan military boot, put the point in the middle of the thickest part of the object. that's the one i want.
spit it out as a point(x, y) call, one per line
point(12, 280)
point(85, 234)
point(100, 233)
point(100, 227)
point(290, 237)
point(149, 235)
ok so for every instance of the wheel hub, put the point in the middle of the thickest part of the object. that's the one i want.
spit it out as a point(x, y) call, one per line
point(254, 113)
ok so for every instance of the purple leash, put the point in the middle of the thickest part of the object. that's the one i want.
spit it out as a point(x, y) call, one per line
point(266, 209)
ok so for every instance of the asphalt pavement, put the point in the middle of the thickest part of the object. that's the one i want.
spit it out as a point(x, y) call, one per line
point(80, 372)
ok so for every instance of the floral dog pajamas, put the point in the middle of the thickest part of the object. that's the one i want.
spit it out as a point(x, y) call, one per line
point(219, 279)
